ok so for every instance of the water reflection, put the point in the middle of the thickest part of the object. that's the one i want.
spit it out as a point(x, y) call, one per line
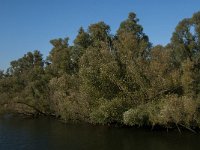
point(48, 134)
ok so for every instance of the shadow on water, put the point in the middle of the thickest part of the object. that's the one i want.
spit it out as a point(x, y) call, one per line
point(48, 134)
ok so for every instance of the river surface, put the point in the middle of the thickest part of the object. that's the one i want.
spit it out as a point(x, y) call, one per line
point(48, 134)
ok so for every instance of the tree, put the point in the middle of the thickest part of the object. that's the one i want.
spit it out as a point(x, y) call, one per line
point(82, 40)
point(104, 78)
point(1, 74)
point(27, 84)
point(60, 57)
point(163, 75)
point(81, 43)
point(132, 39)
point(132, 53)
point(99, 33)
point(185, 40)
point(96, 58)
point(185, 44)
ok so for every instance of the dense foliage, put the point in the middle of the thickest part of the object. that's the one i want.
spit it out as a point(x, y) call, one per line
point(104, 78)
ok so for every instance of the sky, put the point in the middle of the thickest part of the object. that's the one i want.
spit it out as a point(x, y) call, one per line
point(28, 25)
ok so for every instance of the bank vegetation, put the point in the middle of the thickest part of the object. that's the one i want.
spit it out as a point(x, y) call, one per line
point(103, 78)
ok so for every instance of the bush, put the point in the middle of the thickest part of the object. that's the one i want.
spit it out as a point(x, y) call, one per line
point(66, 100)
point(138, 116)
point(179, 110)
point(165, 112)
point(109, 111)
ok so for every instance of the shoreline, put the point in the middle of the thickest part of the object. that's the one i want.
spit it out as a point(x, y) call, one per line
point(156, 128)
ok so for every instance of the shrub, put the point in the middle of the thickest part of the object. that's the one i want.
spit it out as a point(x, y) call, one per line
point(138, 116)
point(109, 111)
point(179, 110)
point(165, 112)
point(66, 100)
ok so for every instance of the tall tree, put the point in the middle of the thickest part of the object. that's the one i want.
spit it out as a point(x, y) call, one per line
point(185, 44)
point(60, 57)
point(81, 43)
point(132, 48)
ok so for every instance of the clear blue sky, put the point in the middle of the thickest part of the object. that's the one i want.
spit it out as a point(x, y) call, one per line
point(27, 25)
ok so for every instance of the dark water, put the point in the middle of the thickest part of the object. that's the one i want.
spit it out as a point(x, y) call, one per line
point(48, 134)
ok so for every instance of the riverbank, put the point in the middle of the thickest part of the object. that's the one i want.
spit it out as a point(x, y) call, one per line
point(181, 129)
point(111, 79)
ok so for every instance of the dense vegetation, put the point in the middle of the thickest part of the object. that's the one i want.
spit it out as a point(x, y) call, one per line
point(104, 78)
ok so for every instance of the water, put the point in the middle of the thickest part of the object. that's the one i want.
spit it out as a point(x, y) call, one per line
point(48, 134)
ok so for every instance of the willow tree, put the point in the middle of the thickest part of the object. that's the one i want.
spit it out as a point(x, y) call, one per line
point(64, 83)
point(185, 43)
point(60, 61)
point(81, 43)
point(27, 84)
point(132, 48)
point(92, 59)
